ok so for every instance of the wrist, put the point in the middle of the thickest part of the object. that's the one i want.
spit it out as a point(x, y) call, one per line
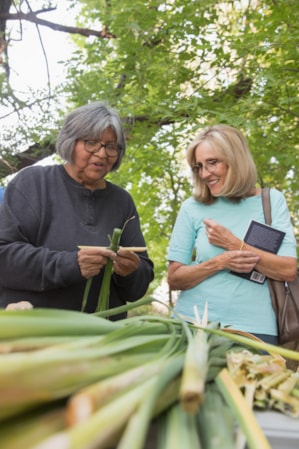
point(242, 245)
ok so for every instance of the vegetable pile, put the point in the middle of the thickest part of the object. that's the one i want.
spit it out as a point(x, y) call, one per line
point(69, 380)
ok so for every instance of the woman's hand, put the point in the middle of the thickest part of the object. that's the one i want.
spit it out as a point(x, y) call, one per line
point(220, 236)
point(280, 268)
point(239, 261)
point(125, 262)
point(92, 260)
point(232, 259)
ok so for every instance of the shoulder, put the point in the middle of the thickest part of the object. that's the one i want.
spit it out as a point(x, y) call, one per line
point(190, 203)
point(34, 181)
point(35, 172)
point(277, 198)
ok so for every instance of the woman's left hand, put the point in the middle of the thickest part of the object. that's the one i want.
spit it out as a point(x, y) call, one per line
point(125, 262)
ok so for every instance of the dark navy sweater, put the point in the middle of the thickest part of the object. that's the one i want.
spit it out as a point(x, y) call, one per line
point(45, 215)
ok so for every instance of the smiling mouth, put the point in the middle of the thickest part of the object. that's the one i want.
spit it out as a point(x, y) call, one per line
point(213, 182)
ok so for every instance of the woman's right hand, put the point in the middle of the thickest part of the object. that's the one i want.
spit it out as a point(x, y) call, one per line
point(239, 261)
point(92, 260)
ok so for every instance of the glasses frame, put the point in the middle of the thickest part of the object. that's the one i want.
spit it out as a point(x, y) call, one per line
point(116, 150)
point(210, 166)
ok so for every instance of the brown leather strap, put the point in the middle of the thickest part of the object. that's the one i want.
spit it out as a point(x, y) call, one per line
point(266, 205)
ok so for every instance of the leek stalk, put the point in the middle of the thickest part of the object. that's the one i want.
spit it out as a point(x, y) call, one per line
point(179, 429)
point(52, 322)
point(258, 345)
point(195, 367)
point(255, 437)
point(103, 427)
point(215, 420)
point(136, 430)
point(91, 398)
point(103, 300)
point(32, 427)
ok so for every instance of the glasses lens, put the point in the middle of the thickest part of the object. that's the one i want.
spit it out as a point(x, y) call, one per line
point(111, 149)
point(210, 166)
point(92, 146)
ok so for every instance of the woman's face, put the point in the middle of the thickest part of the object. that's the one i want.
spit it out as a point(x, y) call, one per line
point(90, 169)
point(210, 168)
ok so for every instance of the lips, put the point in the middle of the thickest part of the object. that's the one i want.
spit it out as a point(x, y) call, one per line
point(213, 182)
point(98, 165)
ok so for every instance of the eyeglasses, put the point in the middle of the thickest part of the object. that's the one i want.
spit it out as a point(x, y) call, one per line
point(210, 166)
point(93, 146)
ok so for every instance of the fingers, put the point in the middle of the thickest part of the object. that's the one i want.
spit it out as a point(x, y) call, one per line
point(241, 261)
point(91, 261)
point(125, 262)
point(218, 235)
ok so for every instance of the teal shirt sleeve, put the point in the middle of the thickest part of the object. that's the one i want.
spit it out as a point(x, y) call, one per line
point(281, 220)
point(183, 236)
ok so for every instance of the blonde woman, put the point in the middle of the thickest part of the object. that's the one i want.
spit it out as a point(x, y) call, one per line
point(211, 226)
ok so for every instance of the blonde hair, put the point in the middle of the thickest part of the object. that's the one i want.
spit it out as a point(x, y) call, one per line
point(232, 149)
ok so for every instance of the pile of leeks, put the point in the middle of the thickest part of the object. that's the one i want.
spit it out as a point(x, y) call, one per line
point(69, 380)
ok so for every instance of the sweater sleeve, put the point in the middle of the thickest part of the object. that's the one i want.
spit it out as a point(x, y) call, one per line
point(134, 286)
point(25, 265)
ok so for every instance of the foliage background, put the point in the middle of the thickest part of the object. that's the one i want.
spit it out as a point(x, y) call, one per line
point(169, 68)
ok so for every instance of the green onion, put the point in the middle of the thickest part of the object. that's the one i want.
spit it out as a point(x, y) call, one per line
point(195, 368)
point(51, 322)
point(103, 428)
point(178, 430)
point(103, 300)
point(255, 437)
point(259, 345)
point(32, 427)
point(137, 427)
point(215, 421)
point(86, 293)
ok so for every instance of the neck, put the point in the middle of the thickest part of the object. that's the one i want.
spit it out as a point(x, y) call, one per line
point(93, 185)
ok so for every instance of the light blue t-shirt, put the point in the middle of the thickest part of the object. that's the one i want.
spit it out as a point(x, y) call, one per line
point(1, 194)
point(232, 301)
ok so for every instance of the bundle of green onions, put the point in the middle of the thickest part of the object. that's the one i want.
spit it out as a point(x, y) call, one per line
point(69, 380)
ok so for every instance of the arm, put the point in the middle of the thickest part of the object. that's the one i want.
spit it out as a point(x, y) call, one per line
point(26, 264)
point(183, 277)
point(135, 285)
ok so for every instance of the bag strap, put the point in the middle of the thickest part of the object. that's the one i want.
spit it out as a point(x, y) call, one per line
point(266, 205)
point(268, 220)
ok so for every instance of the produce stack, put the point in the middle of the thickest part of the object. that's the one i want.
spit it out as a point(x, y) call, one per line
point(69, 380)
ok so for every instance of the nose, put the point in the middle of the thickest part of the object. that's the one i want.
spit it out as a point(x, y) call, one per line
point(101, 152)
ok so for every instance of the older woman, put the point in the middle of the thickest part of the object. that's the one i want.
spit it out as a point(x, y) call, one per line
point(207, 240)
point(49, 211)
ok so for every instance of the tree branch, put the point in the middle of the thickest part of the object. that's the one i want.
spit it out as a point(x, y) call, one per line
point(32, 17)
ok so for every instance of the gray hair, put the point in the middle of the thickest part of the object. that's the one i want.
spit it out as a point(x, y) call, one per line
point(231, 146)
point(89, 122)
